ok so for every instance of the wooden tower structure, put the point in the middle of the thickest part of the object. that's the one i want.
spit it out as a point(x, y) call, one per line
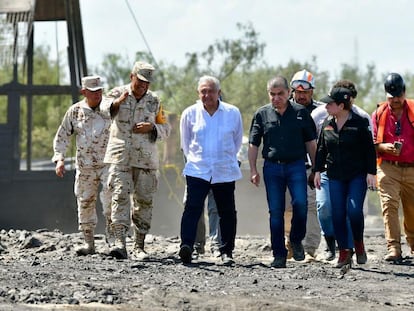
point(34, 199)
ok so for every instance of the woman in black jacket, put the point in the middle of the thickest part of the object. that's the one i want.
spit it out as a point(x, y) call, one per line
point(346, 151)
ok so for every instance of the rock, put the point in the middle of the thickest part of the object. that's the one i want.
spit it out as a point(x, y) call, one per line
point(46, 272)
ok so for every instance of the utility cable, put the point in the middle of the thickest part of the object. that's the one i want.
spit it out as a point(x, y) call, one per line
point(141, 32)
point(170, 188)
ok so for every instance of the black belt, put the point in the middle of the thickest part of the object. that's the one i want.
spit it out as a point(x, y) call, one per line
point(400, 164)
point(282, 161)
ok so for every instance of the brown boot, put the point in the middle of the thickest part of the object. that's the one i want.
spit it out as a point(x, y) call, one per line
point(360, 252)
point(119, 249)
point(394, 254)
point(89, 247)
point(139, 252)
point(345, 258)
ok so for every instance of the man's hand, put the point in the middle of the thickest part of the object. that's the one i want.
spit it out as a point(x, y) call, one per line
point(121, 98)
point(387, 148)
point(372, 182)
point(311, 182)
point(117, 102)
point(142, 127)
point(317, 180)
point(60, 168)
point(255, 179)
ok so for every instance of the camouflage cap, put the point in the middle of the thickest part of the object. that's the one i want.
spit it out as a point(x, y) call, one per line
point(92, 83)
point(143, 71)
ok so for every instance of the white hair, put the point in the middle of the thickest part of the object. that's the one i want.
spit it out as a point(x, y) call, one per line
point(209, 79)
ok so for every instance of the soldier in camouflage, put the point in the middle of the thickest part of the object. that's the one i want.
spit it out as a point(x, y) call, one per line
point(91, 126)
point(138, 122)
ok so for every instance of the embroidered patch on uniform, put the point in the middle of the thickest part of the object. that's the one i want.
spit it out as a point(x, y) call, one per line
point(161, 118)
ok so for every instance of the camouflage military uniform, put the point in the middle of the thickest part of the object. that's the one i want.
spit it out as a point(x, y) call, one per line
point(92, 133)
point(134, 159)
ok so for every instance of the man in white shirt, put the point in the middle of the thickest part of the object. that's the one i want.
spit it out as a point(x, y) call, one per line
point(211, 135)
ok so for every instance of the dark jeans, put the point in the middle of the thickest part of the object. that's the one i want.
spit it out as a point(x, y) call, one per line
point(278, 178)
point(197, 190)
point(347, 199)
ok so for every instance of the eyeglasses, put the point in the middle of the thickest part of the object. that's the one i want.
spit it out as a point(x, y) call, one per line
point(398, 128)
point(304, 84)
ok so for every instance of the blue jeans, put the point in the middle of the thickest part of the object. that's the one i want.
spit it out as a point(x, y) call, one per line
point(347, 199)
point(278, 178)
point(197, 191)
point(324, 208)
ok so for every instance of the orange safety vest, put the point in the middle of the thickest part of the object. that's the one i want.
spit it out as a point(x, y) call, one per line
point(381, 115)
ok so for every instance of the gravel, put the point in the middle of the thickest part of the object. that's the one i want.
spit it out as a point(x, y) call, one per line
point(40, 270)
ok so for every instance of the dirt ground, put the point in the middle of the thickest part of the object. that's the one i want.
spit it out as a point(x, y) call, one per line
point(40, 271)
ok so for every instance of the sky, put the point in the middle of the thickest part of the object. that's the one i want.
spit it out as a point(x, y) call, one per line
point(355, 32)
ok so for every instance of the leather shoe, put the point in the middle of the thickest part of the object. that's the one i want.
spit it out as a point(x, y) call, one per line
point(278, 262)
point(227, 259)
point(185, 254)
point(298, 251)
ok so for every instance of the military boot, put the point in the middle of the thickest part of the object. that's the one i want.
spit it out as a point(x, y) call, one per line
point(139, 241)
point(109, 232)
point(89, 247)
point(119, 249)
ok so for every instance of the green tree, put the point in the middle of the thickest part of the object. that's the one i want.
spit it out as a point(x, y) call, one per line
point(227, 55)
point(223, 59)
point(115, 69)
point(47, 110)
point(366, 82)
point(177, 86)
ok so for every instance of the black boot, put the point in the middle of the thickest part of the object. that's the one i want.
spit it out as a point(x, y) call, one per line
point(330, 248)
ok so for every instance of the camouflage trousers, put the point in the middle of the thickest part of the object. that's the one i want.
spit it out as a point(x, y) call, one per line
point(133, 190)
point(86, 188)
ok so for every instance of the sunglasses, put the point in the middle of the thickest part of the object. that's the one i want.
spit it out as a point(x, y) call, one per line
point(300, 83)
point(398, 128)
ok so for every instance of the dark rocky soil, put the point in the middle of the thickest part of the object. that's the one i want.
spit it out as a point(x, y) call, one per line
point(39, 270)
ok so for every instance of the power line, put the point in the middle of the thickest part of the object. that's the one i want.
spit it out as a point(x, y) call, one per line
point(161, 73)
point(141, 32)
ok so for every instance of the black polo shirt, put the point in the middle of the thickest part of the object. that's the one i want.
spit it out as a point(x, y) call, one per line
point(346, 153)
point(284, 136)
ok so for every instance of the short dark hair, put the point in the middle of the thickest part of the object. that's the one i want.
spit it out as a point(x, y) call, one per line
point(348, 84)
point(347, 105)
point(277, 81)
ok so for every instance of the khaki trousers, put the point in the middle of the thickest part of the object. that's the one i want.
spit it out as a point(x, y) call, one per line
point(396, 185)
